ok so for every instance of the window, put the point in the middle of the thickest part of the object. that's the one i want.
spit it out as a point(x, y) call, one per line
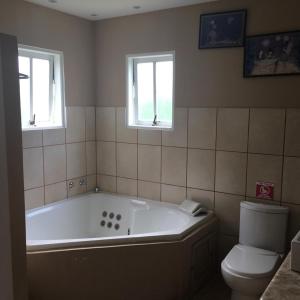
point(150, 95)
point(42, 88)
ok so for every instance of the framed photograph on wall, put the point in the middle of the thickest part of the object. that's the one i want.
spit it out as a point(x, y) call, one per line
point(222, 30)
point(272, 54)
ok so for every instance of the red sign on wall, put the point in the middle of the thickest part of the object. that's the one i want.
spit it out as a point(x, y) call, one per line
point(264, 190)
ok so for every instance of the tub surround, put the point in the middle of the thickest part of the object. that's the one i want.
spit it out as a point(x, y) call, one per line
point(168, 254)
point(285, 284)
point(214, 155)
point(54, 158)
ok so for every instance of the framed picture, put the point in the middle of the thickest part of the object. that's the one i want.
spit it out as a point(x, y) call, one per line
point(272, 54)
point(222, 30)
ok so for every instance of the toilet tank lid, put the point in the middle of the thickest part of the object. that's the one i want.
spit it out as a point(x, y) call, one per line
point(266, 208)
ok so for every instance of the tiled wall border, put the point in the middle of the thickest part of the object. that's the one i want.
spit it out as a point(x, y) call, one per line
point(81, 132)
point(262, 118)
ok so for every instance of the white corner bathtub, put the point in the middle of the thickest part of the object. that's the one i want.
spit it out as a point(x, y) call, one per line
point(105, 246)
point(96, 219)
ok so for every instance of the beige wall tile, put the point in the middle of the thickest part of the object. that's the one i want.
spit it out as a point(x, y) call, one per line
point(174, 166)
point(127, 186)
point(294, 220)
point(201, 169)
point(55, 192)
point(34, 198)
point(233, 129)
point(124, 134)
point(291, 180)
point(77, 188)
point(76, 160)
point(90, 123)
point(107, 183)
point(75, 131)
point(227, 208)
point(55, 164)
point(173, 194)
point(266, 130)
point(106, 158)
point(127, 160)
point(202, 128)
point(231, 172)
point(149, 190)
point(32, 138)
point(54, 137)
point(106, 124)
point(149, 137)
point(292, 135)
point(267, 168)
point(91, 183)
point(91, 158)
point(149, 163)
point(207, 198)
point(33, 168)
point(178, 136)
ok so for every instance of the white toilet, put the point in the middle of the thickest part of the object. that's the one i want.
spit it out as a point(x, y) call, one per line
point(249, 266)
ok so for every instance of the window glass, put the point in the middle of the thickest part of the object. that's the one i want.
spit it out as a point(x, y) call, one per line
point(145, 91)
point(24, 68)
point(150, 96)
point(42, 93)
point(164, 90)
point(41, 89)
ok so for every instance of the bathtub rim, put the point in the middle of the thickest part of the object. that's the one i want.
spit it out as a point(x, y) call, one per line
point(163, 236)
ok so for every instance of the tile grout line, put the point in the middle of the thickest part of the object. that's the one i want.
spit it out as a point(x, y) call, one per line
point(66, 153)
point(247, 153)
point(187, 152)
point(85, 148)
point(283, 156)
point(161, 166)
point(116, 147)
point(137, 163)
point(43, 153)
point(215, 170)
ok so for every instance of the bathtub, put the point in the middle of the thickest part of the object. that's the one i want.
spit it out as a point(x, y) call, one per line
point(75, 244)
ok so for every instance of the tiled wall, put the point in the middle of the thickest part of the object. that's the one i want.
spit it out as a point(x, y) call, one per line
point(54, 158)
point(213, 155)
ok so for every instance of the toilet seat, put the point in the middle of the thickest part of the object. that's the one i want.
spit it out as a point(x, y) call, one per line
point(251, 262)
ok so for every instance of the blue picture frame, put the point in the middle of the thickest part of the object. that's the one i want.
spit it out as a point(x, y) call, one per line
point(272, 54)
point(223, 29)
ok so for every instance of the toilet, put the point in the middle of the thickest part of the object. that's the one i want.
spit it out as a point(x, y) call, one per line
point(249, 266)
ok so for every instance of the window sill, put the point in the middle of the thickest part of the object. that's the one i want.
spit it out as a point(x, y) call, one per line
point(149, 127)
point(36, 128)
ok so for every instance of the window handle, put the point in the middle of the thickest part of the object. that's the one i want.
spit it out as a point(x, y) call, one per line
point(154, 123)
point(32, 122)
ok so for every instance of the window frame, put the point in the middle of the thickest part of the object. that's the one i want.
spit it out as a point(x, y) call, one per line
point(132, 88)
point(56, 77)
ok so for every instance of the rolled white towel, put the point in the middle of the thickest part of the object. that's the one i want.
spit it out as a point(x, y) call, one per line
point(192, 207)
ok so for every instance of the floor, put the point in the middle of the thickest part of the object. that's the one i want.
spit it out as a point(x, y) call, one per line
point(216, 289)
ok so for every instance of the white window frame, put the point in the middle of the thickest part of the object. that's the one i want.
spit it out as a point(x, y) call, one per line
point(56, 76)
point(132, 87)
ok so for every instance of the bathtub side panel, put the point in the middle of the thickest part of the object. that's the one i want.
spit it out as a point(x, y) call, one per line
point(148, 271)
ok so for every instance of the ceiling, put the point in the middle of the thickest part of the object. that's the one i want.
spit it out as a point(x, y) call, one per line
point(105, 9)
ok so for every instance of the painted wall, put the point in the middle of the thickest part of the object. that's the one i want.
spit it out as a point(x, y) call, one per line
point(37, 26)
point(12, 220)
point(209, 78)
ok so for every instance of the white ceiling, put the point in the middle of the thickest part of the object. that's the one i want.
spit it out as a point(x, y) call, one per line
point(105, 9)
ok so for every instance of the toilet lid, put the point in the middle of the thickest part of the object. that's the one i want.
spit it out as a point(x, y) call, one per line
point(251, 262)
